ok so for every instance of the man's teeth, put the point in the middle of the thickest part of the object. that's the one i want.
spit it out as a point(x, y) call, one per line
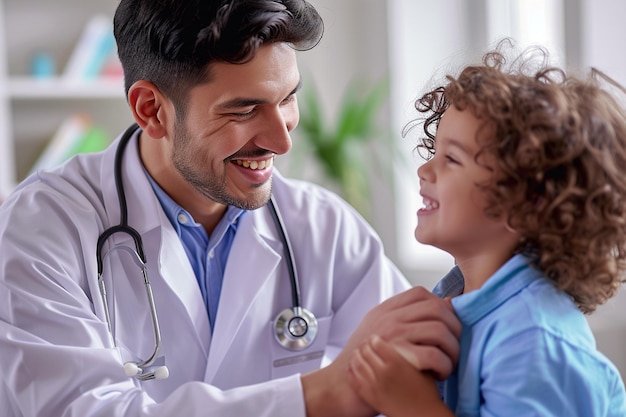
point(255, 164)
point(430, 204)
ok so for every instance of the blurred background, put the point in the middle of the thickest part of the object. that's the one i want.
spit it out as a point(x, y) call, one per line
point(61, 92)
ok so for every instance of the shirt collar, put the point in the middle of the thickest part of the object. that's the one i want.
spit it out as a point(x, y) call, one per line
point(451, 284)
point(178, 215)
point(515, 275)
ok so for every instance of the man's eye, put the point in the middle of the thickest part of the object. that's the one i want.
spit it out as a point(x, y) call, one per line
point(245, 114)
point(289, 99)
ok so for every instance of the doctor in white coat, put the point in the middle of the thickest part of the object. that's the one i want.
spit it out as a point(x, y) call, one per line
point(211, 116)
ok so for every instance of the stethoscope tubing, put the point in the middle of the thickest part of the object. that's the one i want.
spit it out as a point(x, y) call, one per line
point(123, 227)
point(291, 267)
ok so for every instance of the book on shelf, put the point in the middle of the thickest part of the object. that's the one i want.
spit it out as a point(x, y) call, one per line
point(76, 134)
point(95, 53)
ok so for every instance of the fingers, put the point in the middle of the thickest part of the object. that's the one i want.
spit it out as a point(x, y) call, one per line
point(374, 356)
point(427, 358)
point(418, 317)
point(419, 305)
point(361, 375)
point(375, 352)
point(431, 334)
point(378, 352)
point(361, 365)
point(422, 325)
point(390, 385)
point(373, 367)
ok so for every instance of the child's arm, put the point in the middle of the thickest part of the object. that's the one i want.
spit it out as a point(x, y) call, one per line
point(392, 386)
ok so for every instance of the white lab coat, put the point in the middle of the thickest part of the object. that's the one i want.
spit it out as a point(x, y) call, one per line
point(56, 355)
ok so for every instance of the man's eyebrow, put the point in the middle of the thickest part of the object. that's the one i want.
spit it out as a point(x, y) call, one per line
point(239, 102)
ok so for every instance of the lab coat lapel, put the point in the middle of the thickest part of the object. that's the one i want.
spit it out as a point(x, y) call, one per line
point(253, 260)
point(177, 274)
point(168, 264)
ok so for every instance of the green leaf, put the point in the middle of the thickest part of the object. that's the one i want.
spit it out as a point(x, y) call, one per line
point(345, 151)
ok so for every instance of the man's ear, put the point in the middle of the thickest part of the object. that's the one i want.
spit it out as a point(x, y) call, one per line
point(151, 108)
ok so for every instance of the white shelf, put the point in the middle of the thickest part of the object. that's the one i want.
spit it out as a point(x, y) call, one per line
point(28, 88)
point(32, 109)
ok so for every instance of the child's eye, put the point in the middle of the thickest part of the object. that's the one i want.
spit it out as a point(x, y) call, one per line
point(451, 159)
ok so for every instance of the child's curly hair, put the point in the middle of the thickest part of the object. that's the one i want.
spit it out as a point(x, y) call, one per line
point(560, 164)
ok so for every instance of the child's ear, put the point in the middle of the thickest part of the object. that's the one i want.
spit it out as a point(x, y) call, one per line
point(151, 109)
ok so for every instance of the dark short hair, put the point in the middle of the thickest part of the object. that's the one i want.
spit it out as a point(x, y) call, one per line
point(172, 42)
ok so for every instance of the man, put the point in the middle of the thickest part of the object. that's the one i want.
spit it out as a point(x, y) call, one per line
point(212, 87)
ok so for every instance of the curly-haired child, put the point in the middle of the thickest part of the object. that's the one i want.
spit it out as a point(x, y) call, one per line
point(525, 185)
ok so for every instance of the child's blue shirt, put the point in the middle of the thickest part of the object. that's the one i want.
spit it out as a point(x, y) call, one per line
point(526, 350)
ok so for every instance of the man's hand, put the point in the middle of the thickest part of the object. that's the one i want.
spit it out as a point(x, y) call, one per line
point(391, 385)
point(420, 325)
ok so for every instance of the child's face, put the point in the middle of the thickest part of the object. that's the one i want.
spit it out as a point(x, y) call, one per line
point(452, 217)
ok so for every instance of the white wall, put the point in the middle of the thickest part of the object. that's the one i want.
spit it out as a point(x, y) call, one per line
point(602, 33)
point(420, 48)
point(355, 45)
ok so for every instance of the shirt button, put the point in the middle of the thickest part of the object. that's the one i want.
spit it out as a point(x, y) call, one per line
point(211, 254)
point(182, 219)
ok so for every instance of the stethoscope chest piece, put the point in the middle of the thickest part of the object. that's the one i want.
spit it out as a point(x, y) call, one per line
point(295, 328)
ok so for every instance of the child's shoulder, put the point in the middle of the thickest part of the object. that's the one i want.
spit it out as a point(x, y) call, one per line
point(519, 301)
point(540, 315)
point(541, 305)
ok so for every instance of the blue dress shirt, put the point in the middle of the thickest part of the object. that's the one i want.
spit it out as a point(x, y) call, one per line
point(526, 350)
point(207, 255)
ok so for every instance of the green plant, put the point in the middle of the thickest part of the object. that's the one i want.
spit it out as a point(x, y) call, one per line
point(348, 150)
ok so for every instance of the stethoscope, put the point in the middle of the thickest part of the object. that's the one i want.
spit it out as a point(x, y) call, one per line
point(295, 328)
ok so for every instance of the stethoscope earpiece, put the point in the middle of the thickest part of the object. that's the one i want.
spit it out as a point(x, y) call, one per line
point(132, 369)
point(295, 328)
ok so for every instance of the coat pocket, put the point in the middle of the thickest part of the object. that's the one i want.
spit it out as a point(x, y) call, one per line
point(286, 362)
